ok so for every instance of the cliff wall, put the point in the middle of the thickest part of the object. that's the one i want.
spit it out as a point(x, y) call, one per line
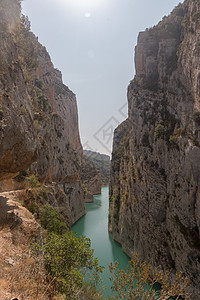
point(16, 151)
point(38, 113)
point(155, 169)
point(101, 162)
point(91, 179)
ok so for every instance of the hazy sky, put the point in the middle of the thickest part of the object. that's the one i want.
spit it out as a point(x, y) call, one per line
point(92, 43)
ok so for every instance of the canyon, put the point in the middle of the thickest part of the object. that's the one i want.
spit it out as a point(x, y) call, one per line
point(154, 206)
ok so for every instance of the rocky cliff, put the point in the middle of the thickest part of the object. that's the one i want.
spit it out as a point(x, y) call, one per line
point(155, 170)
point(38, 113)
point(94, 173)
point(101, 162)
point(91, 181)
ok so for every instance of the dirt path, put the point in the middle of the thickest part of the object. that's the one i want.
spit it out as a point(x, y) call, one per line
point(20, 275)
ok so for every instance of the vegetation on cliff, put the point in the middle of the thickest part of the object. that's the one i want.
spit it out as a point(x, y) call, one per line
point(140, 282)
point(71, 269)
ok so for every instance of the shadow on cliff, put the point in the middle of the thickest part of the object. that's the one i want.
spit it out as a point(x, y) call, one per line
point(5, 211)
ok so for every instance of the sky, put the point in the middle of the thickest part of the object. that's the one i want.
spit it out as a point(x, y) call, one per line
point(92, 42)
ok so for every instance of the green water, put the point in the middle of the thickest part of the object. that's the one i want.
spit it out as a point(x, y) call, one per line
point(94, 225)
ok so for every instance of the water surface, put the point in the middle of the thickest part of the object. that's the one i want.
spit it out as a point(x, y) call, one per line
point(94, 225)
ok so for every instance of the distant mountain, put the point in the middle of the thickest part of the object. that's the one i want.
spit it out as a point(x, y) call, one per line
point(101, 162)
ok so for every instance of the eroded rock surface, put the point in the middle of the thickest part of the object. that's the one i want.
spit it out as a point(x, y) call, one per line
point(18, 142)
point(38, 113)
point(91, 180)
point(155, 170)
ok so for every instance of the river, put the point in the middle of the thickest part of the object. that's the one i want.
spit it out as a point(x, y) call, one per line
point(94, 225)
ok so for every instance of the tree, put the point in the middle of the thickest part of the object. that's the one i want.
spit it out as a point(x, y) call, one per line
point(69, 260)
point(71, 270)
point(138, 282)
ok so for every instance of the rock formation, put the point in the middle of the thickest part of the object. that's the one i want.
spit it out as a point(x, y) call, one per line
point(155, 169)
point(91, 180)
point(38, 113)
point(94, 173)
point(101, 162)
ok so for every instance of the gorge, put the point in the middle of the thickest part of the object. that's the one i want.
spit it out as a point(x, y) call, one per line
point(154, 201)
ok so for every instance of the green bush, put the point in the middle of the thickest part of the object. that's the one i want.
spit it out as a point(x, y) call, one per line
point(173, 141)
point(52, 220)
point(159, 131)
point(71, 268)
point(33, 207)
point(33, 181)
point(69, 260)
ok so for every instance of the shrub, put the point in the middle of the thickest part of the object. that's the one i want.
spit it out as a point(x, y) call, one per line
point(52, 220)
point(33, 207)
point(85, 189)
point(71, 269)
point(173, 141)
point(69, 259)
point(33, 181)
point(159, 131)
point(137, 283)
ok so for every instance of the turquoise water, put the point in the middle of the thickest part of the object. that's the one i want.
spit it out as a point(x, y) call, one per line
point(94, 225)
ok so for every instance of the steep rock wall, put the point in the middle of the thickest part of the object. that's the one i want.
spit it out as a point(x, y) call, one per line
point(101, 162)
point(91, 180)
point(38, 113)
point(155, 170)
point(18, 143)
point(56, 122)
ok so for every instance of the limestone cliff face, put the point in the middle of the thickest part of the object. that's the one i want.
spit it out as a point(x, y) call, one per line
point(60, 150)
point(16, 114)
point(38, 113)
point(94, 173)
point(101, 162)
point(91, 180)
point(155, 170)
